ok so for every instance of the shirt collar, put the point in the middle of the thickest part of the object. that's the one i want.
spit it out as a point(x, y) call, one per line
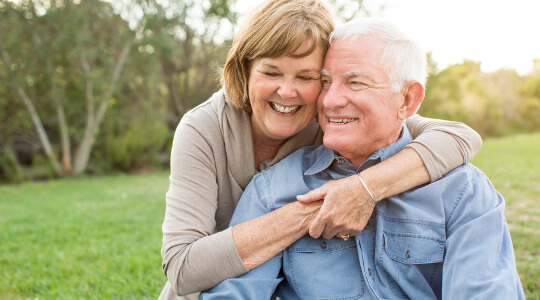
point(327, 156)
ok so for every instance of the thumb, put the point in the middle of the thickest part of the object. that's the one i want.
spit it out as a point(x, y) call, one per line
point(314, 195)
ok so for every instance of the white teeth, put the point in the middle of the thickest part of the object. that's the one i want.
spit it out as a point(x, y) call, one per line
point(283, 109)
point(341, 121)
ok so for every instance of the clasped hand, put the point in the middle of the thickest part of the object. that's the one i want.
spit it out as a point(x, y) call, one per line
point(346, 208)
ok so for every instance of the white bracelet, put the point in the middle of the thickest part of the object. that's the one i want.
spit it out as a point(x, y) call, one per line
point(365, 186)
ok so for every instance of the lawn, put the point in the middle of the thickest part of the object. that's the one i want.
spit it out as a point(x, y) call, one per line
point(85, 238)
point(99, 238)
point(513, 166)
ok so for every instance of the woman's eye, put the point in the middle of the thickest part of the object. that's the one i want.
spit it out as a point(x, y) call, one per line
point(305, 78)
point(271, 74)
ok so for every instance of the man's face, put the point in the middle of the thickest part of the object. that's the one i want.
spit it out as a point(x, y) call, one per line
point(357, 110)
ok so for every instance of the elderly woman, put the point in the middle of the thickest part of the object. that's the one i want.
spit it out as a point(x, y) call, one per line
point(267, 110)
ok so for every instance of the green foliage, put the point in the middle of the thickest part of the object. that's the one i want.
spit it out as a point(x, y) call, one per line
point(64, 55)
point(135, 147)
point(9, 165)
point(529, 108)
point(491, 103)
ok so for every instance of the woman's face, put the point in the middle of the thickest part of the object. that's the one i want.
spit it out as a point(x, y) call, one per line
point(283, 93)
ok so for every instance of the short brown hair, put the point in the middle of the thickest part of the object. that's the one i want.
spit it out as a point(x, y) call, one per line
point(275, 28)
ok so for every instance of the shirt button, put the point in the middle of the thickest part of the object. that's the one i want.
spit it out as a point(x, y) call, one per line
point(369, 271)
point(340, 160)
point(323, 245)
point(407, 254)
point(367, 226)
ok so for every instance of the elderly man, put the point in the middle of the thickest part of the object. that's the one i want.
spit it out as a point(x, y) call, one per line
point(447, 239)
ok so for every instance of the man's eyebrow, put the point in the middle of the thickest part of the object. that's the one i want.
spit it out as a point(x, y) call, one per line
point(357, 74)
point(325, 72)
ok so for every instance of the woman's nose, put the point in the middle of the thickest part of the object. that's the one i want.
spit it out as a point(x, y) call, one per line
point(287, 89)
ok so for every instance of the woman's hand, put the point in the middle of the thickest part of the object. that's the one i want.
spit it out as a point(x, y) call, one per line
point(346, 209)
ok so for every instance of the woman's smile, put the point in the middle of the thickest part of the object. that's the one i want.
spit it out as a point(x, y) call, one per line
point(285, 109)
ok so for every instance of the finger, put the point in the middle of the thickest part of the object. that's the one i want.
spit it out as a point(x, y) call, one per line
point(332, 229)
point(317, 227)
point(357, 230)
point(328, 234)
point(314, 195)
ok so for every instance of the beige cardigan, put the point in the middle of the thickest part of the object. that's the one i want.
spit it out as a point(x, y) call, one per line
point(211, 165)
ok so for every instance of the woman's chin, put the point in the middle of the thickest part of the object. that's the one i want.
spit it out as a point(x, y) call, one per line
point(283, 134)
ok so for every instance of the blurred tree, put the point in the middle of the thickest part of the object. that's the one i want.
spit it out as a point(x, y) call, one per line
point(529, 108)
point(189, 40)
point(485, 101)
point(66, 62)
point(47, 40)
point(346, 10)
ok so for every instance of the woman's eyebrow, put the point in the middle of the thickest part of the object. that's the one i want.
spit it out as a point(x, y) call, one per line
point(270, 65)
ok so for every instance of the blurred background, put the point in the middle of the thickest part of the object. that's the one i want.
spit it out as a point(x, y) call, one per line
point(91, 93)
point(99, 86)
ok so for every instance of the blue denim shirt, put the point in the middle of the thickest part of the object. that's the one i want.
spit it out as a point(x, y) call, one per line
point(444, 240)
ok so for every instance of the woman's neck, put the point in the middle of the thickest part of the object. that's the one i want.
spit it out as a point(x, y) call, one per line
point(264, 147)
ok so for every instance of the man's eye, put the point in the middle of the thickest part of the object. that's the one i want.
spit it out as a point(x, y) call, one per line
point(357, 85)
point(326, 83)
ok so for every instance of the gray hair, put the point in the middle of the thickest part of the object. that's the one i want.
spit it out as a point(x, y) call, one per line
point(402, 59)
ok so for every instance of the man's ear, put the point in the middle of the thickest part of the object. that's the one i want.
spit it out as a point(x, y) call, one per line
point(413, 95)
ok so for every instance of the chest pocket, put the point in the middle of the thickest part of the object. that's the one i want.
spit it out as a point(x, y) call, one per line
point(324, 269)
point(413, 248)
point(406, 256)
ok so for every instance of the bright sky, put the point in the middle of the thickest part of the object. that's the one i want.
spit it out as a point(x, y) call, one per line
point(499, 34)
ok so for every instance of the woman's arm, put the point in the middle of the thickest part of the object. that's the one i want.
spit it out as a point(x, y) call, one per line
point(260, 239)
point(195, 258)
point(189, 252)
point(442, 145)
point(439, 147)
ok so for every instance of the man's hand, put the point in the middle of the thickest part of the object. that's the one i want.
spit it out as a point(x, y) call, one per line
point(346, 209)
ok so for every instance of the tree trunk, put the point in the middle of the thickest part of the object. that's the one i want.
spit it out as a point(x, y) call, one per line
point(62, 122)
point(34, 115)
point(94, 121)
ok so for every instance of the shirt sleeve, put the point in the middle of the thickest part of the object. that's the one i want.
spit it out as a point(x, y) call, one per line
point(261, 282)
point(479, 257)
point(194, 257)
point(442, 145)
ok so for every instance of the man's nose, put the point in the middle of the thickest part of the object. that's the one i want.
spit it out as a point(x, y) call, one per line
point(287, 89)
point(333, 97)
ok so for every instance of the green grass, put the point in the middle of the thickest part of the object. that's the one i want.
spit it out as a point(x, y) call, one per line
point(86, 238)
point(100, 238)
point(513, 166)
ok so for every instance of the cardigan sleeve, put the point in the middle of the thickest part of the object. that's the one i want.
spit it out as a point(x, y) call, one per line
point(442, 145)
point(191, 250)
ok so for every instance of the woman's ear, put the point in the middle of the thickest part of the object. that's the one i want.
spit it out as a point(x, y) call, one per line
point(413, 95)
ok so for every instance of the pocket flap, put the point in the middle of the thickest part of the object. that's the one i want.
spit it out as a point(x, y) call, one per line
point(320, 245)
point(408, 248)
